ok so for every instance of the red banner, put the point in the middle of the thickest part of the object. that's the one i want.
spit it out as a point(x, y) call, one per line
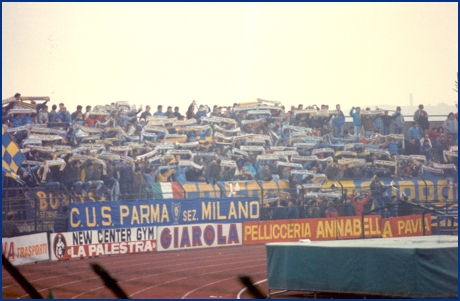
point(411, 225)
point(331, 229)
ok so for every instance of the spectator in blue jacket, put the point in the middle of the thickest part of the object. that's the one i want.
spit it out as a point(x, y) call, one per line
point(249, 167)
point(179, 174)
point(415, 131)
point(202, 111)
point(17, 120)
point(338, 121)
point(63, 115)
point(357, 122)
point(159, 111)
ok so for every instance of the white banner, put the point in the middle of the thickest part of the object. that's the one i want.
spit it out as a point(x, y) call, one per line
point(26, 249)
point(81, 244)
point(199, 236)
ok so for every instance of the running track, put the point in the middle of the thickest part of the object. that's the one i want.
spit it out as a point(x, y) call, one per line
point(190, 274)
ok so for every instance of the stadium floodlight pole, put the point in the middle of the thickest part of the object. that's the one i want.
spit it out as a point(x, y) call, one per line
point(109, 281)
point(254, 291)
point(23, 282)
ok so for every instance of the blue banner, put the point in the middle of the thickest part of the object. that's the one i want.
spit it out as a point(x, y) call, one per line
point(46, 203)
point(95, 216)
point(423, 190)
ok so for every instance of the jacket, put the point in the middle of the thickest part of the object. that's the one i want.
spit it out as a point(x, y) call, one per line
point(398, 119)
point(356, 118)
point(414, 132)
point(338, 120)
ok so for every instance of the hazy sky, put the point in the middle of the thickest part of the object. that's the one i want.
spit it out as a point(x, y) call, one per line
point(221, 53)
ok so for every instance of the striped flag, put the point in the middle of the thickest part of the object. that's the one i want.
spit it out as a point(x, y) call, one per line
point(167, 190)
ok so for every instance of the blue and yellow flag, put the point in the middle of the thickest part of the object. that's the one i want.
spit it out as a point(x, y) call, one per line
point(11, 156)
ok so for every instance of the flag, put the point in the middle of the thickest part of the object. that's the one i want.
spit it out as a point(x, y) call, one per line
point(167, 190)
point(11, 157)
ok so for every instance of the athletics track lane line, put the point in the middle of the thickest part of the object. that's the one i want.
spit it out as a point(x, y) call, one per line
point(212, 283)
point(118, 260)
point(164, 273)
point(121, 261)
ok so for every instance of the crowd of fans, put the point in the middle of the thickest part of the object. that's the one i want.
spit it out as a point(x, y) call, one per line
point(118, 151)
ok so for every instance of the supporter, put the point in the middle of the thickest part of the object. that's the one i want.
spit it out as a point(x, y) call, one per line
point(190, 111)
point(43, 115)
point(74, 114)
point(398, 121)
point(63, 115)
point(408, 172)
point(347, 208)
point(368, 123)
point(357, 173)
point(146, 113)
point(212, 171)
point(125, 180)
point(159, 111)
point(31, 119)
point(275, 170)
point(92, 119)
point(163, 175)
point(72, 176)
point(357, 122)
point(149, 176)
point(419, 111)
point(29, 176)
point(169, 112)
point(52, 178)
point(450, 126)
point(331, 212)
point(412, 147)
point(79, 119)
point(138, 183)
point(433, 134)
point(386, 121)
point(195, 175)
point(415, 131)
point(87, 111)
point(110, 180)
point(427, 138)
point(180, 173)
point(92, 178)
point(177, 114)
point(378, 124)
point(17, 120)
point(52, 114)
point(10, 105)
point(9, 227)
point(426, 150)
point(226, 174)
point(379, 196)
point(264, 174)
point(202, 111)
point(245, 175)
point(312, 209)
point(423, 121)
point(439, 145)
point(249, 167)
